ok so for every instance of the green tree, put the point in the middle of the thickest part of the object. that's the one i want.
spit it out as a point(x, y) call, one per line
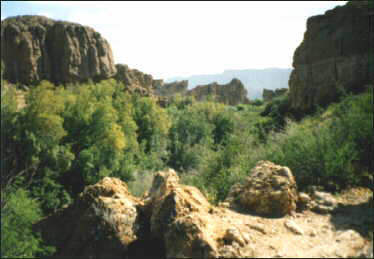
point(18, 240)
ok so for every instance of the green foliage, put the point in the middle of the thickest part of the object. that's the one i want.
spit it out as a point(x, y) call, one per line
point(66, 138)
point(332, 149)
point(333, 152)
point(194, 132)
point(18, 240)
point(278, 109)
point(257, 102)
point(2, 68)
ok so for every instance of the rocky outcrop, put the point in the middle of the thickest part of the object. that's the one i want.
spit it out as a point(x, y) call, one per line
point(336, 52)
point(102, 223)
point(173, 220)
point(171, 89)
point(269, 94)
point(35, 48)
point(144, 84)
point(268, 190)
point(232, 93)
point(135, 80)
point(189, 225)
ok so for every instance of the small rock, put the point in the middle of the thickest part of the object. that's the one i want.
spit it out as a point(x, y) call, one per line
point(293, 227)
point(233, 235)
point(259, 228)
point(347, 235)
point(323, 202)
point(325, 198)
point(304, 198)
point(224, 204)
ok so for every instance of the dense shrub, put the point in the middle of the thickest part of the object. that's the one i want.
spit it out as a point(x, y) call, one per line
point(332, 149)
point(67, 138)
point(333, 152)
point(278, 109)
point(17, 237)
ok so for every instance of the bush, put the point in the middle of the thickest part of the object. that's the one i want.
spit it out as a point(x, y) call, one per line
point(278, 109)
point(17, 238)
point(334, 152)
point(194, 133)
point(257, 102)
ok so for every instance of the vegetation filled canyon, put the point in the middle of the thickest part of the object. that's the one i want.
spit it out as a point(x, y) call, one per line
point(100, 160)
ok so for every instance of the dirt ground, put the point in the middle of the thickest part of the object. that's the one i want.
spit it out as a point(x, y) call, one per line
point(344, 233)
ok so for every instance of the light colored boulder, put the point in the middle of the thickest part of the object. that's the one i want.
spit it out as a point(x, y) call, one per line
point(269, 189)
point(189, 225)
point(103, 221)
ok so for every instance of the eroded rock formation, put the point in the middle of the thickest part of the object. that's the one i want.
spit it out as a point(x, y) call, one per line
point(102, 222)
point(173, 220)
point(171, 89)
point(268, 190)
point(268, 94)
point(189, 225)
point(36, 48)
point(336, 52)
point(232, 93)
point(144, 84)
point(135, 80)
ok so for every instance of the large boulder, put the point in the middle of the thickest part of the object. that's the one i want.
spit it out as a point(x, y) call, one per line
point(35, 48)
point(189, 225)
point(269, 190)
point(102, 223)
point(335, 53)
point(232, 93)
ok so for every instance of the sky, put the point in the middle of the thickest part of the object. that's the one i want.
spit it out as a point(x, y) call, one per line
point(169, 39)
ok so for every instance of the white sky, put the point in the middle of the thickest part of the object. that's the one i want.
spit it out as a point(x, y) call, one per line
point(168, 39)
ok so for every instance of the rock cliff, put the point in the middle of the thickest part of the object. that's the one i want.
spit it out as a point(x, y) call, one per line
point(144, 84)
point(171, 89)
point(35, 48)
point(232, 93)
point(135, 80)
point(336, 52)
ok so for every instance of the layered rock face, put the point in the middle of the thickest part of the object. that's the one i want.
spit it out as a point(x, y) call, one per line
point(135, 80)
point(336, 52)
point(269, 94)
point(144, 84)
point(171, 89)
point(232, 93)
point(35, 48)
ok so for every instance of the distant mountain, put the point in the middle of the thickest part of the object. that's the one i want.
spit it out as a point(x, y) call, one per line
point(255, 80)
